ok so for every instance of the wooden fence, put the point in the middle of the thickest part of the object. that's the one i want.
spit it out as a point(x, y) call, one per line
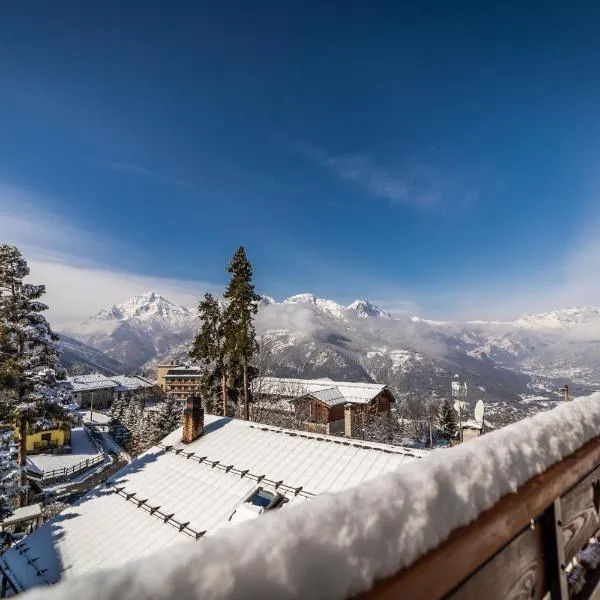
point(528, 545)
point(67, 472)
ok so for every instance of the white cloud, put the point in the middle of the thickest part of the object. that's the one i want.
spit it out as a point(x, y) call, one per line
point(70, 262)
point(123, 167)
point(413, 184)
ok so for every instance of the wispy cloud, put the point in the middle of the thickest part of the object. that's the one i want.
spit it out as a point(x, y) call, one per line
point(412, 184)
point(127, 168)
point(71, 261)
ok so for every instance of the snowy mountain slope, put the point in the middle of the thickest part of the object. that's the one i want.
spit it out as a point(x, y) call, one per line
point(307, 336)
point(137, 330)
point(87, 358)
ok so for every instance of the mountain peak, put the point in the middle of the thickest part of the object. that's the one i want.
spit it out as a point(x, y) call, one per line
point(301, 299)
point(366, 309)
point(145, 305)
point(328, 306)
point(563, 318)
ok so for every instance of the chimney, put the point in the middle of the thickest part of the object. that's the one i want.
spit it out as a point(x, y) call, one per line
point(193, 420)
point(348, 420)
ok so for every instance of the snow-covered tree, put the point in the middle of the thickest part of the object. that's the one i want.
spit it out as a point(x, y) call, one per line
point(142, 432)
point(33, 380)
point(166, 417)
point(209, 350)
point(10, 474)
point(238, 325)
point(447, 420)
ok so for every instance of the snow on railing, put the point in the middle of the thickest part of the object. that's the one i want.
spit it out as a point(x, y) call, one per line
point(67, 471)
point(518, 504)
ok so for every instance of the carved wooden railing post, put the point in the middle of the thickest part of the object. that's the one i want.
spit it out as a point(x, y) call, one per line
point(554, 552)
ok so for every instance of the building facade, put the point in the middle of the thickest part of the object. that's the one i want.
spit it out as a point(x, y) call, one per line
point(179, 381)
point(319, 403)
point(99, 391)
point(43, 438)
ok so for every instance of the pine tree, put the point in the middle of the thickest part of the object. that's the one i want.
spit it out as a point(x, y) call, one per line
point(447, 420)
point(33, 379)
point(209, 349)
point(239, 333)
point(10, 474)
point(167, 416)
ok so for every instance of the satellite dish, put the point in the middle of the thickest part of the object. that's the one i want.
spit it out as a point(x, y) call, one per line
point(460, 405)
point(479, 410)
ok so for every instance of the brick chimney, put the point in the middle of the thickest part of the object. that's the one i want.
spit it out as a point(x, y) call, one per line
point(348, 420)
point(193, 420)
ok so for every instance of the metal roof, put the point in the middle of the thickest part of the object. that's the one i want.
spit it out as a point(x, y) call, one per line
point(330, 396)
point(357, 393)
point(94, 381)
point(180, 492)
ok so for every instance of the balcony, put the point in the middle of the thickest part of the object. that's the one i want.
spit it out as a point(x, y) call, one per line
point(512, 514)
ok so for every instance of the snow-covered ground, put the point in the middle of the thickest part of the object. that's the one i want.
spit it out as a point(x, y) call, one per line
point(83, 449)
point(96, 417)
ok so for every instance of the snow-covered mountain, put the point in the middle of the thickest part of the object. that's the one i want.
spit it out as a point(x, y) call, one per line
point(138, 329)
point(308, 336)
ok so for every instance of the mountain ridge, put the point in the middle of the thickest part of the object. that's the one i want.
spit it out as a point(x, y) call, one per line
point(308, 336)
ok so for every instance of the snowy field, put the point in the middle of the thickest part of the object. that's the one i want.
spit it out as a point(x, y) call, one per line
point(98, 418)
point(82, 446)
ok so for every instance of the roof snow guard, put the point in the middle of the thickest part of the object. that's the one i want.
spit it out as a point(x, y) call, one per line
point(155, 511)
point(215, 464)
point(342, 441)
point(176, 494)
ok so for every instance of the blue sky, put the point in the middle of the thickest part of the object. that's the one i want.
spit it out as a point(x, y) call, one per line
point(440, 156)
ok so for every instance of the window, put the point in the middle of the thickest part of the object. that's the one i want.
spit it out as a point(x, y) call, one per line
point(46, 437)
point(265, 499)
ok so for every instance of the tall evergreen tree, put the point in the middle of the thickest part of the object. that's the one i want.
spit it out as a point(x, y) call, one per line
point(240, 336)
point(35, 385)
point(209, 349)
point(167, 417)
point(447, 420)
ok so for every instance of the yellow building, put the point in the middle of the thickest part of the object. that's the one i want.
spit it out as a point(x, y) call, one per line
point(39, 439)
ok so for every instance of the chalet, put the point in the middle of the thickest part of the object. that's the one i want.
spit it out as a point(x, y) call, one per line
point(93, 390)
point(322, 402)
point(207, 476)
point(99, 391)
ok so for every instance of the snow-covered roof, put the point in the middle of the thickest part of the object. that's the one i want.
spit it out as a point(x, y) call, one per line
point(132, 383)
point(25, 513)
point(345, 391)
point(339, 545)
point(330, 396)
point(94, 381)
point(178, 492)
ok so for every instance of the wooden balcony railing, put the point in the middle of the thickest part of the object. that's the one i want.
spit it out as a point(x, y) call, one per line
point(523, 547)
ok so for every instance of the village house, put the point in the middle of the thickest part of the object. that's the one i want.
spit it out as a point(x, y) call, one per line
point(211, 474)
point(94, 390)
point(99, 391)
point(321, 402)
point(45, 435)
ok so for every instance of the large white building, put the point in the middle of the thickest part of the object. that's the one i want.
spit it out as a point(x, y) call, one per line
point(232, 471)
